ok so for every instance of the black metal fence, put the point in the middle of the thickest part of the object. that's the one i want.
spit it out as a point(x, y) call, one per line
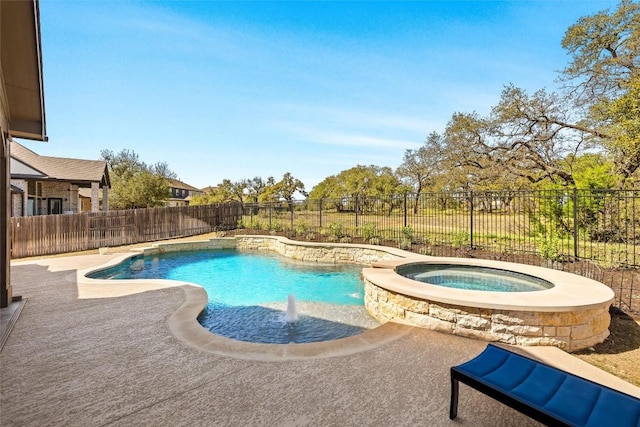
point(594, 233)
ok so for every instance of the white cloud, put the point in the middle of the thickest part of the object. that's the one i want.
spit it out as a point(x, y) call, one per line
point(355, 140)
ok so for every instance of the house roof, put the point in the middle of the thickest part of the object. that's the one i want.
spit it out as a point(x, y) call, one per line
point(79, 171)
point(22, 170)
point(21, 62)
point(174, 183)
point(209, 189)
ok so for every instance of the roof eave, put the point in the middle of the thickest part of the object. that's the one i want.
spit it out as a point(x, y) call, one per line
point(21, 50)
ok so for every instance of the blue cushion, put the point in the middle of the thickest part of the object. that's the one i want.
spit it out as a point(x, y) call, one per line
point(540, 386)
point(512, 373)
point(574, 400)
point(569, 398)
point(614, 408)
point(487, 361)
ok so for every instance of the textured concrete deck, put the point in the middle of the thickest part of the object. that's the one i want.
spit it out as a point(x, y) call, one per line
point(75, 359)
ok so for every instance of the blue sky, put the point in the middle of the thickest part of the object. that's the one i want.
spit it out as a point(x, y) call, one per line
point(242, 89)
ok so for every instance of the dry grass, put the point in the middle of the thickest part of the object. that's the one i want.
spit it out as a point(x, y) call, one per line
point(620, 353)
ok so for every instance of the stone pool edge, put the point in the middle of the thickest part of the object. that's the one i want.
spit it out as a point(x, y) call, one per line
point(572, 315)
point(183, 323)
point(399, 303)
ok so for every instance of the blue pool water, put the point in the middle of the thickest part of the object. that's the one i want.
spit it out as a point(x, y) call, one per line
point(248, 293)
point(474, 278)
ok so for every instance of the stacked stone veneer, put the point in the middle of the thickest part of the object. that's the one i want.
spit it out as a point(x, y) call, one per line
point(220, 243)
point(569, 330)
point(312, 252)
point(315, 252)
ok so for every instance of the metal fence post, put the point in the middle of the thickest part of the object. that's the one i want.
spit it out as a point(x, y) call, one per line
point(356, 204)
point(575, 223)
point(405, 208)
point(320, 204)
point(471, 207)
point(270, 205)
point(291, 205)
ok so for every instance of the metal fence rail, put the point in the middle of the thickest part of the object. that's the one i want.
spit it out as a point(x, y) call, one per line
point(594, 233)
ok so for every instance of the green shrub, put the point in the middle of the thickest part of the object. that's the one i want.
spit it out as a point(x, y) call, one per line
point(301, 227)
point(335, 229)
point(460, 239)
point(404, 244)
point(407, 234)
point(549, 247)
point(368, 231)
point(425, 250)
point(275, 226)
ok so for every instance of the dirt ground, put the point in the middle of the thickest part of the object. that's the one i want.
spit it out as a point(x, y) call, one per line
point(618, 355)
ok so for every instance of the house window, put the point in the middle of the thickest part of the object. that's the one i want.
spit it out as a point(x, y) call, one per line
point(54, 206)
point(31, 206)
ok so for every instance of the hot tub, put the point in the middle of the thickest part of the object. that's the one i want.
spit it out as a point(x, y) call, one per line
point(572, 312)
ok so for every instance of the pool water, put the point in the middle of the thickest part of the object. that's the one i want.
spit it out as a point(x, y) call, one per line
point(474, 278)
point(248, 293)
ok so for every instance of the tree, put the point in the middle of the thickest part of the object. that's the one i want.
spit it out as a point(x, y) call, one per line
point(605, 54)
point(420, 167)
point(282, 190)
point(232, 191)
point(133, 183)
point(162, 169)
point(534, 134)
point(620, 119)
point(603, 78)
point(288, 186)
point(467, 157)
point(532, 137)
point(327, 188)
point(536, 137)
point(594, 171)
point(362, 182)
point(256, 186)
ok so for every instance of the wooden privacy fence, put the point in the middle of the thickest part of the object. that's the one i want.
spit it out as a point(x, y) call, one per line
point(51, 234)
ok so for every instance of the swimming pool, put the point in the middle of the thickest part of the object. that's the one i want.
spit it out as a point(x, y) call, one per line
point(248, 293)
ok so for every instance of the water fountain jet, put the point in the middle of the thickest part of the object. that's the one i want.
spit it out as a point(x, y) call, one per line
point(292, 314)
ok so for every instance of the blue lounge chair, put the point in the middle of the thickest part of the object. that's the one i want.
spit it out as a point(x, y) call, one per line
point(542, 392)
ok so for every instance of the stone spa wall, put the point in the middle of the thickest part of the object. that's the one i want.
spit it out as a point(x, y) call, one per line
point(567, 328)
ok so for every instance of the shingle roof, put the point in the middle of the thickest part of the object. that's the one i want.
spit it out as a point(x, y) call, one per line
point(64, 169)
point(174, 183)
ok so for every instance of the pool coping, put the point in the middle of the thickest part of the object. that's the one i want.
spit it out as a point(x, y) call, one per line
point(397, 302)
point(572, 315)
point(184, 326)
point(570, 291)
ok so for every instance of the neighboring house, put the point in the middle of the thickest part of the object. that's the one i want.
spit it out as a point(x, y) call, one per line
point(43, 185)
point(22, 112)
point(181, 193)
point(209, 189)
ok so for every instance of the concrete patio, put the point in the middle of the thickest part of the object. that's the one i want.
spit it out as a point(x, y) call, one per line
point(78, 359)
